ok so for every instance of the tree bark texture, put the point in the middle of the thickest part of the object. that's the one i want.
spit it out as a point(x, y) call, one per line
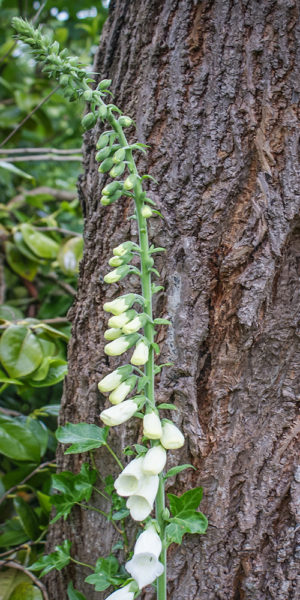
point(213, 87)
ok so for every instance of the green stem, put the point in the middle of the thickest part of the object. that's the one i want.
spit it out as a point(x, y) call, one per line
point(115, 456)
point(82, 564)
point(89, 507)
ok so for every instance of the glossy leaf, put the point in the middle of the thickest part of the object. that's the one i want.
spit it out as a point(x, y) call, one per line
point(28, 518)
point(20, 351)
point(17, 441)
point(19, 263)
point(82, 436)
point(58, 369)
point(74, 594)
point(13, 534)
point(41, 244)
point(187, 501)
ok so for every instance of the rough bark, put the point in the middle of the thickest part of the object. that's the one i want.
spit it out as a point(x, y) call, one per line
point(213, 87)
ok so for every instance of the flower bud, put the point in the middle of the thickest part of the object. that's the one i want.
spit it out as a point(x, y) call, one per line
point(106, 165)
point(119, 156)
point(152, 426)
point(103, 153)
point(120, 320)
point(147, 211)
point(112, 334)
point(117, 274)
point(120, 305)
point(129, 480)
point(102, 141)
point(116, 415)
point(125, 121)
point(172, 437)
point(112, 187)
point(119, 394)
point(88, 121)
point(112, 380)
point(141, 353)
point(88, 95)
point(102, 112)
point(130, 181)
point(123, 248)
point(136, 324)
point(116, 261)
point(107, 200)
point(64, 80)
point(117, 170)
point(120, 345)
point(104, 84)
point(154, 460)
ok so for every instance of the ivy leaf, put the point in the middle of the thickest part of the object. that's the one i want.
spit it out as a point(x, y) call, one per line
point(174, 533)
point(74, 594)
point(56, 560)
point(82, 436)
point(186, 522)
point(176, 470)
point(190, 500)
point(73, 488)
point(105, 570)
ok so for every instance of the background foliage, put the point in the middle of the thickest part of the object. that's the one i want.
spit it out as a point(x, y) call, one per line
point(41, 245)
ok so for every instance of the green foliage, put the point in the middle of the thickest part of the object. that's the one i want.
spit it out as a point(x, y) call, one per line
point(56, 560)
point(105, 571)
point(82, 436)
point(186, 518)
point(73, 489)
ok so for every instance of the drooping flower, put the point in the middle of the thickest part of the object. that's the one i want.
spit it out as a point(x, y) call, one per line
point(124, 247)
point(120, 320)
point(172, 437)
point(120, 345)
point(141, 353)
point(152, 426)
point(141, 502)
point(111, 381)
point(115, 415)
point(129, 480)
point(145, 566)
point(135, 324)
point(154, 460)
point(120, 305)
point(112, 334)
point(123, 593)
point(117, 274)
point(119, 394)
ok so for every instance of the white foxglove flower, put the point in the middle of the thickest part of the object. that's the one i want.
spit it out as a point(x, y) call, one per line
point(123, 593)
point(120, 345)
point(172, 437)
point(123, 248)
point(152, 426)
point(120, 320)
point(112, 334)
point(119, 394)
point(141, 502)
point(111, 381)
point(154, 460)
point(117, 274)
point(129, 480)
point(141, 354)
point(134, 325)
point(115, 415)
point(118, 306)
point(145, 566)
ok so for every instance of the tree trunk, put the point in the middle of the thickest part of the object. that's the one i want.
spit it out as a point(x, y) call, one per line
point(213, 88)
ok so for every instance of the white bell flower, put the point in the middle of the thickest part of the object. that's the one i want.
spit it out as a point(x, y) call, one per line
point(154, 460)
point(129, 480)
point(120, 305)
point(172, 437)
point(111, 381)
point(115, 415)
point(117, 274)
point(152, 426)
point(141, 502)
point(119, 394)
point(119, 320)
point(145, 566)
point(123, 248)
point(134, 325)
point(112, 334)
point(120, 345)
point(123, 593)
point(141, 354)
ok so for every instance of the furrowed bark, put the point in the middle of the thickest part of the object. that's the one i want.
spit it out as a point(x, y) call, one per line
point(213, 88)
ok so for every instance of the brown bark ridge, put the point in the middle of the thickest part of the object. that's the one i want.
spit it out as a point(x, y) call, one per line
point(213, 87)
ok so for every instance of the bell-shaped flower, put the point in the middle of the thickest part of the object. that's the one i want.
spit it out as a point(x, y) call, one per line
point(111, 381)
point(120, 345)
point(152, 426)
point(141, 502)
point(119, 305)
point(125, 247)
point(141, 353)
point(172, 437)
point(123, 593)
point(154, 460)
point(135, 324)
point(120, 320)
point(117, 274)
point(145, 566)
point(129, 480)
point(119, 394)
point(112, 334)
point(115, 415)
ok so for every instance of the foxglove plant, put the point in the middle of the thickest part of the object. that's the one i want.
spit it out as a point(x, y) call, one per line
point(130, 327)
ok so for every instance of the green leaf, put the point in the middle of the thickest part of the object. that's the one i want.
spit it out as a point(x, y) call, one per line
point(167, 406)
point(28, 518)
point(45, 502)
point(11, 167)
point(174, 533)
point(82, 436)
point(73, 488)
point(17, 441)
point(70, 254)
point(10, 380)
point(13, 533)
point(120, 514)
point(40, 432)
point(142, 382)
point(19, 263)
point(58, 369)
point(50, 331)
point(10, 579)
point(20, 351)
point(10, 313)
point(189, 500)
point(105, 569)
point(176, 470)
point(26, 591)
point(42, 245)
point(192, 521)
point(74, 594)
point(162, 322)
point(56, 560)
